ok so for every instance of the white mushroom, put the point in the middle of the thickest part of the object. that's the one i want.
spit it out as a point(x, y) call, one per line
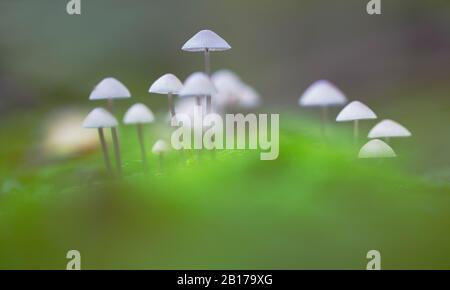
point(168, 85)
point(355, 111)
point(388, 129)
point(100, 119)
point(139, 115)
point(232, 92)
point(196, 85)
point(160, 148)
point(322, 94)
point(376, 149)
point(206, 41)
point(110, 89)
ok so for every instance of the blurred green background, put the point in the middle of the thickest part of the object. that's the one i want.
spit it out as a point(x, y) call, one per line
point(314, 207)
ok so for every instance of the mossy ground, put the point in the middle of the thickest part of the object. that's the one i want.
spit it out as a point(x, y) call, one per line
point(316, 206)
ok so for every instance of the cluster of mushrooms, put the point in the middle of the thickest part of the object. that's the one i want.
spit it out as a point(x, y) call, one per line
point(228, 90)
point(324, 94)
point(222, 91)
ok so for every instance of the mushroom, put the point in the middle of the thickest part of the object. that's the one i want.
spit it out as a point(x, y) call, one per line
point(196, 85)
point(388, 129)
point(322, 94)
point(376, 149)
point(159, 148)
point(233, 92)
point(139, 115)
point(168, 85)
point(355, 111)
point(206, 41)
point(110, 89)
point(100, 119)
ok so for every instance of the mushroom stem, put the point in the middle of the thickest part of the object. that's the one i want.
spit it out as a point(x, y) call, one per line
point(208, 72)
point(199, 101)
point(104, 149)
point(323, 119)
point(387, 139)
point(117, 150)
point(171, 105)
point(355, 131)
point(207, 62)
point(142, 145)
point(110, 105)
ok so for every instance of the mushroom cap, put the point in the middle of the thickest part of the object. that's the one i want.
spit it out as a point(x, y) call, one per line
point(233, 92)
point(388, 128)
point(376, 149)
point(355, 111)
point(138, 114)
point(167, 84)
point(100, 118)
point(110, 88)
point(198, 84)
point(160, 147)
point(322, 93)
point(206, 40)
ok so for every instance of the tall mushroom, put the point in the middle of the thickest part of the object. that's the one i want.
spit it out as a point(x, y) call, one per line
point(159, 148)
point(168, 85)
point(196, 85)
point(376, 149)
point(322, 94)
point(139, 115)
point(100, 119)
point(206, 41)
point(110, 89)
point(355, 111)
point(388, 129)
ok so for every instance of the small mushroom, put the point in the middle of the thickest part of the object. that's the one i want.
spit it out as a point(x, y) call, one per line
point(322, 94)
point(355, 111)
point(196, 85)
point(376, 149)
point(206, 41)
point(139, 115)
point(110, 89)
point(389, 129)
point(100, 119)
point(159, 149)
point(233, 92)
point(168, 85)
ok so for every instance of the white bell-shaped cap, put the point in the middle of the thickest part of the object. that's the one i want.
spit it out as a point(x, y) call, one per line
point(198, 84)
point(355, 111)
point(226, 77)
point(167, 84)
point(206, 40)
point(387, 129)
point(322, 93)
point(376, 149)
point(110, 88)
point(160, 147)
point(100, 118)
point(138, 114)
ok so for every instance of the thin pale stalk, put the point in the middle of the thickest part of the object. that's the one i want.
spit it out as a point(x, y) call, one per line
point(171, 105)
point(355, 132)
point(105, 150)
point(323, 120)
point(142, 145)
point(117, 150)
point(207, 56)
